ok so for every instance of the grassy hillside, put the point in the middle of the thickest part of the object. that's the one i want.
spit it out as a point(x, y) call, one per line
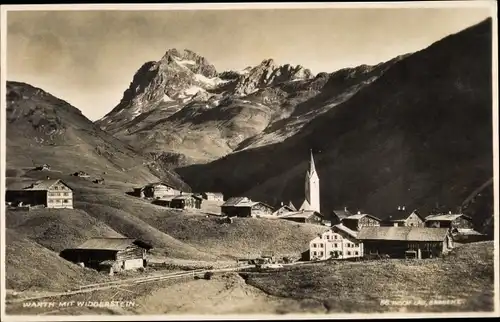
point(466, 274)
point(29, 265)
point(42, 128)
point(419, 135)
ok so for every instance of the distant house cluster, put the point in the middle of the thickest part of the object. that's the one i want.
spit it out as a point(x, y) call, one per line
point(42, 193)
point(166, 195)
point(400, 235)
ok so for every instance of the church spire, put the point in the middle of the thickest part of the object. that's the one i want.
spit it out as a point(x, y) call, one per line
point(312, 167)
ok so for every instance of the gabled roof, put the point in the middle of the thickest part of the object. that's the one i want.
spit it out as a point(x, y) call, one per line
point(233, 201)
point(44, 185)
point(290, 209)
point(446, 217)
point(402, 215)
point(466, 232)
point(359, 216)
point(213, 193)
point(186, 196)
point(305, 205)
point(402, 233)
point(153, 184)
point(342, 213)
point(115, 244)
point(346, 230)
point(300, 214)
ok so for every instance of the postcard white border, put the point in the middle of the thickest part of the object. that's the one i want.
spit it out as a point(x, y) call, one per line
point(492, 5)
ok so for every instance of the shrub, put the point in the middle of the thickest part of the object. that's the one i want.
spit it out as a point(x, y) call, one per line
point(208, 275)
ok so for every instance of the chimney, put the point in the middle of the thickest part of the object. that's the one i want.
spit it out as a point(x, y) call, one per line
point(449, 212)
point(48, 178)
point(403, 208)
point(282, 203)
point(345, 209)
point(399, 207)
point(359, 212)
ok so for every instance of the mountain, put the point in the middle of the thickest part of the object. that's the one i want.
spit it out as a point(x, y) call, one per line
point(418, 135)
point(181, 110)
point(42, 129)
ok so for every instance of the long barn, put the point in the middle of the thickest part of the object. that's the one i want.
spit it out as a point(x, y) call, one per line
point(109, 254)
point(400, 242)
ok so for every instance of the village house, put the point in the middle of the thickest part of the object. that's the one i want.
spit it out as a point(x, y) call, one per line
point(109, 254)
point(43, 167)
point(303, 216)
point(336, 216)
point(461, 226)
point(156, 190)
point(449, 220)
point(98, 181)
point(81, 174)
point(355, 222)
point(163, 201)
point(402, 218)
point(212, 196)
point(186, 201)
point(47, 193)
point(283, 209)
point(405, 242)
point(339, 242)
point(244, 207)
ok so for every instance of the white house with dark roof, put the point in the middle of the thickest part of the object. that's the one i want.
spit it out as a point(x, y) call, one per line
point(49, 193)
point(339, 242)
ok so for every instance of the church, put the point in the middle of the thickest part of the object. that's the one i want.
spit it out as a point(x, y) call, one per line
point(311, 201)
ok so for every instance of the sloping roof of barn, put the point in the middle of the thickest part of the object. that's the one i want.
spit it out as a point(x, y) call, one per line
point(342, 213)
point(43, 185)
point(359, 216)
point(233, 201)
point(306, 214)
point(346, 230)
point(115, 244)
point(402, 233)
point(401, 215)
point(446, 217)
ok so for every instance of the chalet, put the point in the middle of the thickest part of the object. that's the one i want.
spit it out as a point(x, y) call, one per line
point(185, 201)
point(337, 216)
point(283, 209)
point(303, 216)
point(43, 167)
point(355, 222)
point(244, 207)
point(466, 235)
point(401, 242)
point(402, 218)
point(163, 201)
point(48, 193)
point(109, 254)
point(156, 190)
point(339, 242)
point(81, 174)
point(212, 196)
point(449, 221)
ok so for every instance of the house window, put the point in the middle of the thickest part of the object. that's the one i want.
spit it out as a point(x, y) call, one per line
point(55, 188)
point(336, 245)
point(321, 245)
point(356, 253)
point(314, 245)
point(65, 200)
point(335, 236)
point(348, 253)
point(331, 253)
point(314, 253)
point(320, 253)
point(327, 237)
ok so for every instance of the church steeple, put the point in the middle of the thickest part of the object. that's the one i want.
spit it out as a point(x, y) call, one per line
point(312, 167)
point(311, 201)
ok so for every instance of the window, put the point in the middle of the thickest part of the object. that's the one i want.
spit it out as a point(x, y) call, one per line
point(314, 253)
point(336, 245)
point(356, 253)
point(320, 253)
point(348, 253)
point(331, 253)
point(321, 245)
point(55, 188)
point(335, 236)
point(65, 200)
point(314, 245)
point(327, 237)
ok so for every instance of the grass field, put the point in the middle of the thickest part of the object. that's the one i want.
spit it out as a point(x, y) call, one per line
point(466, 274)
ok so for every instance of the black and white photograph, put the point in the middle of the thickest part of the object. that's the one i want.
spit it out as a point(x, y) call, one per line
point(250, 160)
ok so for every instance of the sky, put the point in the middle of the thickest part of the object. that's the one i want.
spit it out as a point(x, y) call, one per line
point(88, 58)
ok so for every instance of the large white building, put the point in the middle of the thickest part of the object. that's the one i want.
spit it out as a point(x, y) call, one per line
point(338, 242)
point(311, 201)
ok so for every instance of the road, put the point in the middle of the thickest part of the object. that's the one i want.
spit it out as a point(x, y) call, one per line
point(127, 282)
